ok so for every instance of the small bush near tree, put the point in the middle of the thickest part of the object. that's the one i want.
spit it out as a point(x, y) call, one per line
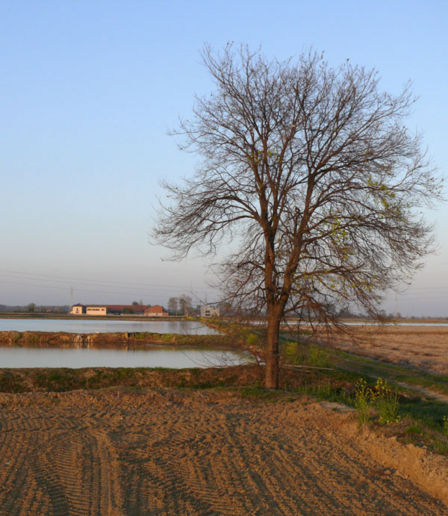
point(380, 397)
point(386, 403)
point(445, 425)
point(364, 398)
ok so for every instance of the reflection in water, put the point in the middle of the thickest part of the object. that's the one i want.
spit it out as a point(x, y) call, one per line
point(76, 358)
point(83, 326)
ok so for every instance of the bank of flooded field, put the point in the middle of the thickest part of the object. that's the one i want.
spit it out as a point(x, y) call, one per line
point(126, 340)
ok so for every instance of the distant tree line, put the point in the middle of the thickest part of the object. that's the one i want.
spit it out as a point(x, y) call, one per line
point(33, 308)
point(182, 305)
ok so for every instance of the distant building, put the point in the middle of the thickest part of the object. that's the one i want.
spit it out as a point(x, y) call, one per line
point(126, 309)
point(96, 310)
point(156, 311)
point(153, 311)
point(88, 310)
point(209, 311)
point(78, 310)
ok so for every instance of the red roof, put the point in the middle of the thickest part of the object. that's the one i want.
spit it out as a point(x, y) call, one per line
point(155, 309)
point(121, 308)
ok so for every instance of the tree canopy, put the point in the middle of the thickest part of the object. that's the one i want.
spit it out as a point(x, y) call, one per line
point(313, 174)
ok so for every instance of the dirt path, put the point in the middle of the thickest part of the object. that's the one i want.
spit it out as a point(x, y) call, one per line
point(428, 393)
point(173, 452)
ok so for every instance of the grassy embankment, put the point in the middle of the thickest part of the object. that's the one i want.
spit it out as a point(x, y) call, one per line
point(402, 409)
point(135, 340)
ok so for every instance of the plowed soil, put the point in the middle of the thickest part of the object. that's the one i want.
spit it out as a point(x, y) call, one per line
point(179, 452)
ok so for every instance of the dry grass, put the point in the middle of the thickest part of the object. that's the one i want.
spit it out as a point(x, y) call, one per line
point(423, 347)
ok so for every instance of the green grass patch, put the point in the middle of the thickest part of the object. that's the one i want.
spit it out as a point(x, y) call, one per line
point(325, 390)
point(373, 388)
point(252, 339)
point(259, 393)
point(58, 381)
point(300, 353)
point(414, 430)
point(10, 382)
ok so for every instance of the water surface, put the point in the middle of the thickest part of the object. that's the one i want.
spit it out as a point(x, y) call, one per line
point(105, 326)
point(76, 358)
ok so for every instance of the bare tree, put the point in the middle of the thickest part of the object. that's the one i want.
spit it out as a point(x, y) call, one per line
point(312, 174)
point(173, 305)
point(185, 305)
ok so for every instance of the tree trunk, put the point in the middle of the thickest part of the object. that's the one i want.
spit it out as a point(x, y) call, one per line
point(272, 351)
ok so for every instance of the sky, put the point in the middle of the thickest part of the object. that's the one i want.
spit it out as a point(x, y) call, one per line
point(90, 90)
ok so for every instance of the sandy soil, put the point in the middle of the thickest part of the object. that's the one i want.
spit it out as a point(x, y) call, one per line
point(419, 346)
point(178, 452)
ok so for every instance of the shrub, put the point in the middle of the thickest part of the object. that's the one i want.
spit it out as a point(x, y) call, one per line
point(386, 402)
point(295, 352)
point(381, 397)
point(252, 339)
point(445, 425)
point(364, 398)
point(319, 357)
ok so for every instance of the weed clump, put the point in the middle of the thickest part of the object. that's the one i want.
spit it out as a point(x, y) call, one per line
point(386, 401)
point(364, 398)
point(445, 426)
point(414, 430)
point(252, 339)
point(300, 353)
point(318, 357)
point(380, 397)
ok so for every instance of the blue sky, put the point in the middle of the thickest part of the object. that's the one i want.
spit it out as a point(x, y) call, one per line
point(89, 91)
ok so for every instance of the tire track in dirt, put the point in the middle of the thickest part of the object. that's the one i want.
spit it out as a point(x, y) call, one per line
point(46, 468)
point(347, 461)
point(190, 453)
point(16, 477)
point(72, 468)
point(187, 463)
point(204, 466)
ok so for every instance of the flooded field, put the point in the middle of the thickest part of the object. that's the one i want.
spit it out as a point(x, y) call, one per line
point(105, 326)
point(153, 357)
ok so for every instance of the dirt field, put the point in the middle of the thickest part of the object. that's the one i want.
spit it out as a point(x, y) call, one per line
point(202, 452)
point(424, 347)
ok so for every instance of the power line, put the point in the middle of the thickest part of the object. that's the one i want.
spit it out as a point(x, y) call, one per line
point(121, 284)
point(121, 291)
point(101, 287)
